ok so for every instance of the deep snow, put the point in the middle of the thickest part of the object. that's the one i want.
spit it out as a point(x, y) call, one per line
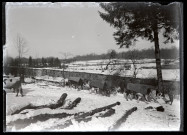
point(45, 93)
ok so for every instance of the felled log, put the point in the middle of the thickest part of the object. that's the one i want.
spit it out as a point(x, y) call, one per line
point(122, 119)
point(22, 123)
point(73, 104)
point(84, 115)
point(110, 112)
point(158, 108)
point(59, 103)
point(29, 106)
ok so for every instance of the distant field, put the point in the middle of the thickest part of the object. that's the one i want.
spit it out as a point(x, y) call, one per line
point(146, 68)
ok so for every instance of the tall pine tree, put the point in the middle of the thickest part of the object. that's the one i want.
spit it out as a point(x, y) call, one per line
point(145, 20)
point(30, 61)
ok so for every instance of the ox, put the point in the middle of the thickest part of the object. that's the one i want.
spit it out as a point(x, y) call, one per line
point(141, 91)
point(13, 83)
point(77, 82)
point(101, 87)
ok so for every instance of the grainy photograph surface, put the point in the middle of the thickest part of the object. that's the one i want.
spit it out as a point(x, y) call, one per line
point(89, 66)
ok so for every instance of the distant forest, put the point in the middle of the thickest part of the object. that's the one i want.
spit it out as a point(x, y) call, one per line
point(171, 53)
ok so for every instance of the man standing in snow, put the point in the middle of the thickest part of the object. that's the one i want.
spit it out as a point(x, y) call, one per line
point(171, 95)
point(81, 83)
point(122, 86)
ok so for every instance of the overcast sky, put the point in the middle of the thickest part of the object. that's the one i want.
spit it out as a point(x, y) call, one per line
point(50, 28)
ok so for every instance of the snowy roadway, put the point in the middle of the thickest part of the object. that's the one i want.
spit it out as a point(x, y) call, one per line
point(140, 120)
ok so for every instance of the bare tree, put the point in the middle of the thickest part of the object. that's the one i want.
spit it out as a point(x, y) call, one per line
point(102, 63)
point(114, 65)
point(65, 56)
point(21, 47)
point(134, 59)
point(112, 61)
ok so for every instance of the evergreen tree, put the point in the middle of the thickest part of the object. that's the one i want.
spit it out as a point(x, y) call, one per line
point(145, 20)
point(57, 62)
point(112, 54)
point(30, 61)
point(51, 62)
point(16, 62)
point(34, 63)
point(43, 62)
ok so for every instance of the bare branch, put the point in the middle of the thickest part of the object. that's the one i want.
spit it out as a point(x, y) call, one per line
point(65, 54)
point(21, 47)
point(134, 59)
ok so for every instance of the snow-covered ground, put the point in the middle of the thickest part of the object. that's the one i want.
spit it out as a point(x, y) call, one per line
point(146, 68)
point(44, 93)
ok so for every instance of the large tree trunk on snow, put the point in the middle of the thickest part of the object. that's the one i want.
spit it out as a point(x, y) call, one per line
point(73, 104)
point(122, 119)
point(59, 103)
point(86, 116)
point(22, 123)
point(110, 112)
point(157, 57)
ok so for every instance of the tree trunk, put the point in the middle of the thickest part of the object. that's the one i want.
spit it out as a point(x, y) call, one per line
point(84, 116)
point(74, 103)
point(63, 70)
point(22, 123)
point(90, 113)
point(59, 103)
point(158, 60)
point(118, 123)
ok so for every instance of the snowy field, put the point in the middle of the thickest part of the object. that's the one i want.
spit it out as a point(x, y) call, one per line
point(146, 68)
point(43, 93)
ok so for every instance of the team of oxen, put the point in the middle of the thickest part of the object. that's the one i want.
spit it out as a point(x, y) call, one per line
point(131, 91)
point(137, 91)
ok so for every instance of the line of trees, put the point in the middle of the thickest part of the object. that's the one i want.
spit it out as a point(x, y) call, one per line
point(44, 62)
point(31, 62)
point(167, 53)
